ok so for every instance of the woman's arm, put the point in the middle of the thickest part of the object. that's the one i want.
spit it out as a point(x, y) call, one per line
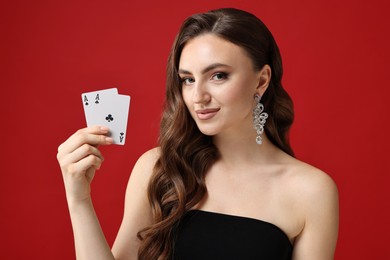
point(90, 242)
point(320, 205)
point(137, 214)
point(79, 158)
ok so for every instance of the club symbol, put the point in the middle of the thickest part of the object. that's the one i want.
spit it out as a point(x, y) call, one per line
point(121, 137)
point(109, 118)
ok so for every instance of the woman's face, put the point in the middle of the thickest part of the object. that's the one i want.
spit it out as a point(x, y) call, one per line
point(218, 84)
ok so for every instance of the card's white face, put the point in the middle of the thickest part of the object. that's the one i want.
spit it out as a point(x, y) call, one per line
point(107, 108)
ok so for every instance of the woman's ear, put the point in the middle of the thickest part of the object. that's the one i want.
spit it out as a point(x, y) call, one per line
point(264, 77)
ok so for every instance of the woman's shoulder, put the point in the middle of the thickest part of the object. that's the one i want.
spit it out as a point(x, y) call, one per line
point(144, 166)
point(310, 184)
point(309, 175)
point(150, 156)
point(314, 196)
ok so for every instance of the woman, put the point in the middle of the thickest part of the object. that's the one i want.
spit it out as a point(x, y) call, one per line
point(224, 183)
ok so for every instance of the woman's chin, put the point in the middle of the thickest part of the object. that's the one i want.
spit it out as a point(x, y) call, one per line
point(208, 132)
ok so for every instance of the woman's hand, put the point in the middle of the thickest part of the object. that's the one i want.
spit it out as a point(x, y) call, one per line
point(79, 158)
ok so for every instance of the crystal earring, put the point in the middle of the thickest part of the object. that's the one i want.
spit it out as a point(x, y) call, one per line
point(259, 118)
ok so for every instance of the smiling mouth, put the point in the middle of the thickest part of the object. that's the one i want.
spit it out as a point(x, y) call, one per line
point(204, 114)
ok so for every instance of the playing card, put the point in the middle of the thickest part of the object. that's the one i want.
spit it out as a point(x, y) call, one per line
point(93, 102)
point(107, 108)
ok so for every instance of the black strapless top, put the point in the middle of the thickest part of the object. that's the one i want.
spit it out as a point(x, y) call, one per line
point(204, 235)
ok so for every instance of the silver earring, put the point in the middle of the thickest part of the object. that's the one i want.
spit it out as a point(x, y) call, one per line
point(259, 118)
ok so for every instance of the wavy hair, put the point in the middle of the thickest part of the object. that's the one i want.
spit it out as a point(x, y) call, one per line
point(186, 154)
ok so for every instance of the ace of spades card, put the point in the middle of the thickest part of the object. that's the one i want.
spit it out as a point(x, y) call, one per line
point(107, 108)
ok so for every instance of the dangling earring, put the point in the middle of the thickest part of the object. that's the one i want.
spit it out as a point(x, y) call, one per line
point(259, 118)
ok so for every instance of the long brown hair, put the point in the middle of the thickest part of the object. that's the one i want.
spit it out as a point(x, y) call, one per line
point(177, 183)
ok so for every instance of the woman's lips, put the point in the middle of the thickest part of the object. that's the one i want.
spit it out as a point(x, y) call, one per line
point(204, 114)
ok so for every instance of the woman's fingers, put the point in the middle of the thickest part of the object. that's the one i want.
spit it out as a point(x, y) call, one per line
point(79, 158)
point(94, 136)
point(80, 153)
point(79, 168)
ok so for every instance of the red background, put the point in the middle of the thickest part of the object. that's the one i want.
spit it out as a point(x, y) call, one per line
point(336, 56)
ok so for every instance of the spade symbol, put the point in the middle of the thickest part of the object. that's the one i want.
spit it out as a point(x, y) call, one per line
point(121, 137)
point(86, 100)
point(97, 99)
point(109, 118)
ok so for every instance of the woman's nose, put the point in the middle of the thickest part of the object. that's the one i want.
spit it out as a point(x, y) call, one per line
point(200, 93)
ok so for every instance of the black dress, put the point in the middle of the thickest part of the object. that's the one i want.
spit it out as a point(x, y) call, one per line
point(204, 235)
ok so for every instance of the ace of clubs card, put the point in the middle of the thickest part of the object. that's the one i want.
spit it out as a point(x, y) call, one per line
point(107, 108)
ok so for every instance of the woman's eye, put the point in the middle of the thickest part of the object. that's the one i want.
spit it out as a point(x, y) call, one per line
point(220, 76)
point(187, 81)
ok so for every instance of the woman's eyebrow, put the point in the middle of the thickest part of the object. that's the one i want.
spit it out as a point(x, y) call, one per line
point(207, 69)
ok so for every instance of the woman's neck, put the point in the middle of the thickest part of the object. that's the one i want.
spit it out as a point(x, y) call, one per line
point(243, 150)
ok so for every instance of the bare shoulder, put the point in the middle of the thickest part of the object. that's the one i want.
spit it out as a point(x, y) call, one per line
point(143, 168)
point(311, 182)
point(312, 191)
point(149, 158)
point(136, 192)
point(315, 196)
point(140, 177)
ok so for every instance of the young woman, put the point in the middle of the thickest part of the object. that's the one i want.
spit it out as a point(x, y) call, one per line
point(224, 183)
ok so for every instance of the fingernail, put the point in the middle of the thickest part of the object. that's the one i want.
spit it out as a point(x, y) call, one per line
point(104, 128)
point(109, 140)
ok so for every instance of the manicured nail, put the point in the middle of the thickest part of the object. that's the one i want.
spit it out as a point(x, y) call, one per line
point(109, 140)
